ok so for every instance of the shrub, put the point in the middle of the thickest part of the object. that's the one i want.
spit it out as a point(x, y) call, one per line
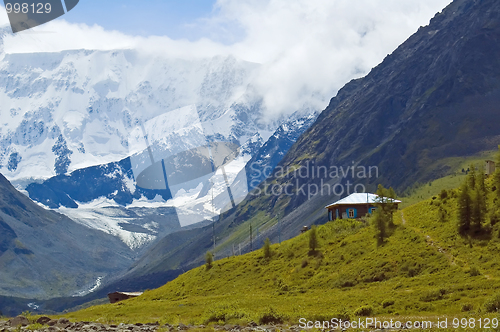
point(494, 218)
point(342, 314)
point(432, 295)
point(387, 303)
point(209, 259)
point(473, 272)
point(443, 194)
point(271, 316)
point(364, 311)
point(35, 327)
point(467, 307)
point(267, 248)
point(493, 304)
point(222, 312)
point(442, 214)
point(282, 286)
point(345, 281)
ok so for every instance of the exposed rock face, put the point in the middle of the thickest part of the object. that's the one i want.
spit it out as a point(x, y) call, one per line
point(435, 97)
point(33, 238)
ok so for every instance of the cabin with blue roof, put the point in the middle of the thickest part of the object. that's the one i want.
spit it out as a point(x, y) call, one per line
point(355, 206)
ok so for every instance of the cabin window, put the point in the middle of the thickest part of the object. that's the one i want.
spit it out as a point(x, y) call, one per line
point(372, 210)
point(351, 213)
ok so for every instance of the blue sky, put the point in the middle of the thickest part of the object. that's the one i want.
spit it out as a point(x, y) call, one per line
point(174, 18)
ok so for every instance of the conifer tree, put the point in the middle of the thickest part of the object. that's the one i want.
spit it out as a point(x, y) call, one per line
point(383, 214)
point(313, 239)
point(478, 197)
point(471, 177)
point(379, 221)
point(496, 176)
point(385, 202)
point(480, 182)
point(477, 211)
point(464, 208)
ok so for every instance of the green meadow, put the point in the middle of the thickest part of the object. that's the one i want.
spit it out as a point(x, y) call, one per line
point(425, 268)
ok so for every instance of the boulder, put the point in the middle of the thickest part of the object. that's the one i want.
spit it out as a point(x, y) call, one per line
point(43, 320)
point(19, 321)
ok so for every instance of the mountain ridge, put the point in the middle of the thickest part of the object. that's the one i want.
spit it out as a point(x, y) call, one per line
point(409, 113)
point(45, 254)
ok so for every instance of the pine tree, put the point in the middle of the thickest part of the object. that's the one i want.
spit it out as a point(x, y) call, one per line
point(477, 193)
point(471, 177)
point(496, 175)
point(477, 212)
point(464, 208)
point(480, 182)
point(313, 239)
point(385, 203)
point(379, 221)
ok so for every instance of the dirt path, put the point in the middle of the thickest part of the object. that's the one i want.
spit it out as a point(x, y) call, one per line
point(430, 241)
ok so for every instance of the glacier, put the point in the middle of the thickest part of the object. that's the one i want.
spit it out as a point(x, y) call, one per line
point(72, 121)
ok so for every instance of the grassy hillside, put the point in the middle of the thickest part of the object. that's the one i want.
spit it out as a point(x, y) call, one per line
point(456, 177)
point(424, 268)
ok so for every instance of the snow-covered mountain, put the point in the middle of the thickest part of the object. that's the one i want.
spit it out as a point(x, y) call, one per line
point(97, 133)
point(262, 164)
point(65, 111)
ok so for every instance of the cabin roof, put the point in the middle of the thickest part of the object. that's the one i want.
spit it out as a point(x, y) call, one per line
point(128, 293)
point(360, 199)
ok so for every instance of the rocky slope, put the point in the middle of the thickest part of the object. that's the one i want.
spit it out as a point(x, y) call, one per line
point(45, 254)
point(434, 97)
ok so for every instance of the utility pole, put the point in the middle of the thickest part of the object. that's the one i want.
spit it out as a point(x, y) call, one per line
point(279, 229)
point(213, 234)
point(213, 217)
point(251, 244)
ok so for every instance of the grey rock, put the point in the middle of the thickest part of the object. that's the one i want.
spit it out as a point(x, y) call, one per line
point(43, 320)
point(19, 321)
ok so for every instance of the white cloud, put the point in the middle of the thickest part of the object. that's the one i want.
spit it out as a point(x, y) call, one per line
point(309, 48)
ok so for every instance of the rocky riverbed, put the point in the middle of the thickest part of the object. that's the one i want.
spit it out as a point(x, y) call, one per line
point(46, 324)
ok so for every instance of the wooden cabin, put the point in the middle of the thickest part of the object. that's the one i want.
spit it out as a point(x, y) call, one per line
point(355, 206)
point(120, 296)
